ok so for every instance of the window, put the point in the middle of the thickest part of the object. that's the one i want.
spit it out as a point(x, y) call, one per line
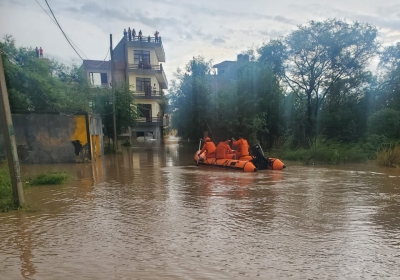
point(145, 111)
point(103, 77)
point(143, 84)
point(141, 56)
point(98, 79)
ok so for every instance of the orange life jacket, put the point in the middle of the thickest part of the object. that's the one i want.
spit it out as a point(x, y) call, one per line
point(209, 147)
point(222, 149)
point(243, 147)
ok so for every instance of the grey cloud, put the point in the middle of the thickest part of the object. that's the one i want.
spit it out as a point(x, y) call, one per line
point(218, 41)
point(203, 10)
point(272, 33)
point(12, 3)
point(379, 21)
point(285, 20)
point(384, 20)
point(389, 10)
point(72, 10)
point(96, 11)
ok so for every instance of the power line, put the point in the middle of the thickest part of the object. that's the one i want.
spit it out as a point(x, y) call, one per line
point(71, 43)
point(56, 24)
point(59, 26)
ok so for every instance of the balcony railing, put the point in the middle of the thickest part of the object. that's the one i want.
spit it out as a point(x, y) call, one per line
point(150, 121)
point(148, 93)
point(146, 66)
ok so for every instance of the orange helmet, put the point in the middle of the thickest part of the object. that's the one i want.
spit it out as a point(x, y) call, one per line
point(208, 139)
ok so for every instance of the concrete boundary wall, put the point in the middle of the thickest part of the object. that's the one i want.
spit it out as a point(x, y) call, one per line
point(55, 138)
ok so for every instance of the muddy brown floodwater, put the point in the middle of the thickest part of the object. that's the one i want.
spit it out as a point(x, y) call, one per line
point(150, 213)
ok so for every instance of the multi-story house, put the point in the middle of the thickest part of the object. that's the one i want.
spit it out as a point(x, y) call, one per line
point(225, 72)
point(137, 62)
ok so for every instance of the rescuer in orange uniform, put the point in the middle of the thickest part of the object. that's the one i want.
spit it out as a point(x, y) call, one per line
point(242, 147)
point(209, 148)
point(223, 150)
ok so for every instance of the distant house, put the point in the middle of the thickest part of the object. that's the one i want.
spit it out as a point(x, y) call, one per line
point(139, 64)
point(226, 72)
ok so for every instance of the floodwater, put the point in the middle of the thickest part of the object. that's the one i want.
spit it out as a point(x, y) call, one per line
point(150, 213)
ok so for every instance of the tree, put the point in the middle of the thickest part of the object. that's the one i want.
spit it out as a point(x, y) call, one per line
point(274, 54)
point(40, 84)
point(390, 80)
point(126, 110)
point(191, 99)
point(385, 122)
point(323, 53)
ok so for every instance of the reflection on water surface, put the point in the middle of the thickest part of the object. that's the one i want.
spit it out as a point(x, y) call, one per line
point(150, 213)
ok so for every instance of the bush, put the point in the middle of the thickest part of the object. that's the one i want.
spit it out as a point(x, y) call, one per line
point(388, 156)
point(297, 155)
point(325, 151)
point(353, 153)
point(385, 122)
point(127, 143)
point(49, 178)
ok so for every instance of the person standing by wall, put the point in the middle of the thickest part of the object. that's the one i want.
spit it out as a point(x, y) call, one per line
point(133, 34)
point(129, 34)
point(37, 52)
point(41, 52)
point(156, 36)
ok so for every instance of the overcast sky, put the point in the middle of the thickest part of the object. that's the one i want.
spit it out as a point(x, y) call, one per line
point(216, 29)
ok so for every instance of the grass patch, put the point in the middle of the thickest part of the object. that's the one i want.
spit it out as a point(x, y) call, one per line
point(49, 178)
point(388, 156)
point(323, 151)
point(6, 199)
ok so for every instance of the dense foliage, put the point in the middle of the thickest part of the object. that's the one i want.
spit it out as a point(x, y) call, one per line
point(43, 85)
point(313, 88)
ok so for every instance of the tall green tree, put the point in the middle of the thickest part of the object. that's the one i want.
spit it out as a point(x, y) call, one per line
point(191, 99)
point(390, 79)
point(38, 84)
point(127, 111)
point(321, 54)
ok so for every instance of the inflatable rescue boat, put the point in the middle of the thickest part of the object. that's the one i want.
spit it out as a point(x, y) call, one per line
point(256, 161)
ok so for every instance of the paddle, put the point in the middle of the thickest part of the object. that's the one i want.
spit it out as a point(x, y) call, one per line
point(198, 157)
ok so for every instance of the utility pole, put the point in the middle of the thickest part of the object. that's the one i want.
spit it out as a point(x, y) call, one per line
point(113, 95)
point(9, 139)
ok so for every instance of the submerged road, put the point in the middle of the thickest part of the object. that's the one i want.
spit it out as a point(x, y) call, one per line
point(150, 213)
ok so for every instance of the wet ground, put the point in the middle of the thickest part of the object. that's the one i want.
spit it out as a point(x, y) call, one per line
point(150, 213)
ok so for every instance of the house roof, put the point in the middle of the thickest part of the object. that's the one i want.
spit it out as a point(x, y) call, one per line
point(99, 64)
point(224, 63)
point(102, 64)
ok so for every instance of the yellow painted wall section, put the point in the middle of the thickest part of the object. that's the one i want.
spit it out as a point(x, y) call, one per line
point(96, 152)
point(80, 130)
point(130, 55)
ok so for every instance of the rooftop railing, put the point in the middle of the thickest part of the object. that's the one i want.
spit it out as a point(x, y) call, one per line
point(144, 39)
